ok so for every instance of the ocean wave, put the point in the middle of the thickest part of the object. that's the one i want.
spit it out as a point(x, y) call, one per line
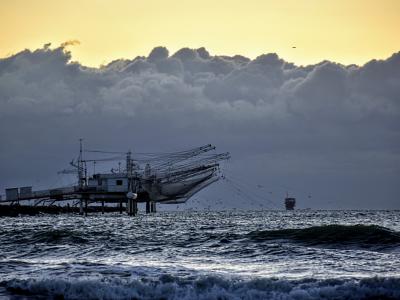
point(48, 236)
point(207, 287)
point(364, 236)
point(58, 236)
point(361, 235)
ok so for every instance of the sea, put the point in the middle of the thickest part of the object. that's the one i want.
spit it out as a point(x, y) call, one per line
point(300, 254)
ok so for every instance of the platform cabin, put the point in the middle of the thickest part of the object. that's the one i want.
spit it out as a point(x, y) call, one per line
point(112, 183)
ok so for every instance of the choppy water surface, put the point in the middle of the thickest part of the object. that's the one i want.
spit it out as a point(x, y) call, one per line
point(204, 255)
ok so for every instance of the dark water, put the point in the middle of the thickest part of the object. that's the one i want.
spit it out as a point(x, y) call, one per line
point(207, 255)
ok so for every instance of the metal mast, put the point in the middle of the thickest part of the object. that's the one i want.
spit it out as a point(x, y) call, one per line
point(129, 163)
point(80, 165)
point(129, 170)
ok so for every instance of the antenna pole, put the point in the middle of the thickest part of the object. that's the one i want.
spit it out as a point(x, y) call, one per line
point(80, 164)
point(129, 170)
point(129, 163)
point(80, 149)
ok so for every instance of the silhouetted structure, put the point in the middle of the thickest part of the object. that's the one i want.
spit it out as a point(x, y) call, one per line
point(167, 178)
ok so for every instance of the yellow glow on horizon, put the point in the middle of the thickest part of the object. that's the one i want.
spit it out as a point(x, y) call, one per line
point(342, 31)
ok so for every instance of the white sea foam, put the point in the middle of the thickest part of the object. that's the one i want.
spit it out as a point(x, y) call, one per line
point(209, 287)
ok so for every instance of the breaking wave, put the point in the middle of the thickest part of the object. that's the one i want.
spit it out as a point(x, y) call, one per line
point(361, 235)
point(207, 287)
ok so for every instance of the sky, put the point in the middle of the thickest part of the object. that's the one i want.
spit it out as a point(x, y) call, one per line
point(170, 76)
point(349, 32)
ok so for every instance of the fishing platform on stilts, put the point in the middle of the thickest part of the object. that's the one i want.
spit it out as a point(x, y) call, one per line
point(150, 178)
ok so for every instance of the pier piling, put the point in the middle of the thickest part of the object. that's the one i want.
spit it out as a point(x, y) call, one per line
point(132, 207)
point(81, 207)
point(153, 207)
point(86, 207)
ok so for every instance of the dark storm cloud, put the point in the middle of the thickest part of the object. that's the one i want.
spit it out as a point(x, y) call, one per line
point(326, 128)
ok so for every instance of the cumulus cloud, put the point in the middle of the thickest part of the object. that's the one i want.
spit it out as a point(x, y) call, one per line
point(326, 128)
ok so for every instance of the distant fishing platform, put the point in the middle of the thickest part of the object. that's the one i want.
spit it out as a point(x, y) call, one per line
point(150, 178)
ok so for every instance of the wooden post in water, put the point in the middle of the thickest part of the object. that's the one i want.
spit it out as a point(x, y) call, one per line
point(129, 206)
point(147, 207)
point(153, 207)
point(86, 207)
point(132, 207)
point(81, 207)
